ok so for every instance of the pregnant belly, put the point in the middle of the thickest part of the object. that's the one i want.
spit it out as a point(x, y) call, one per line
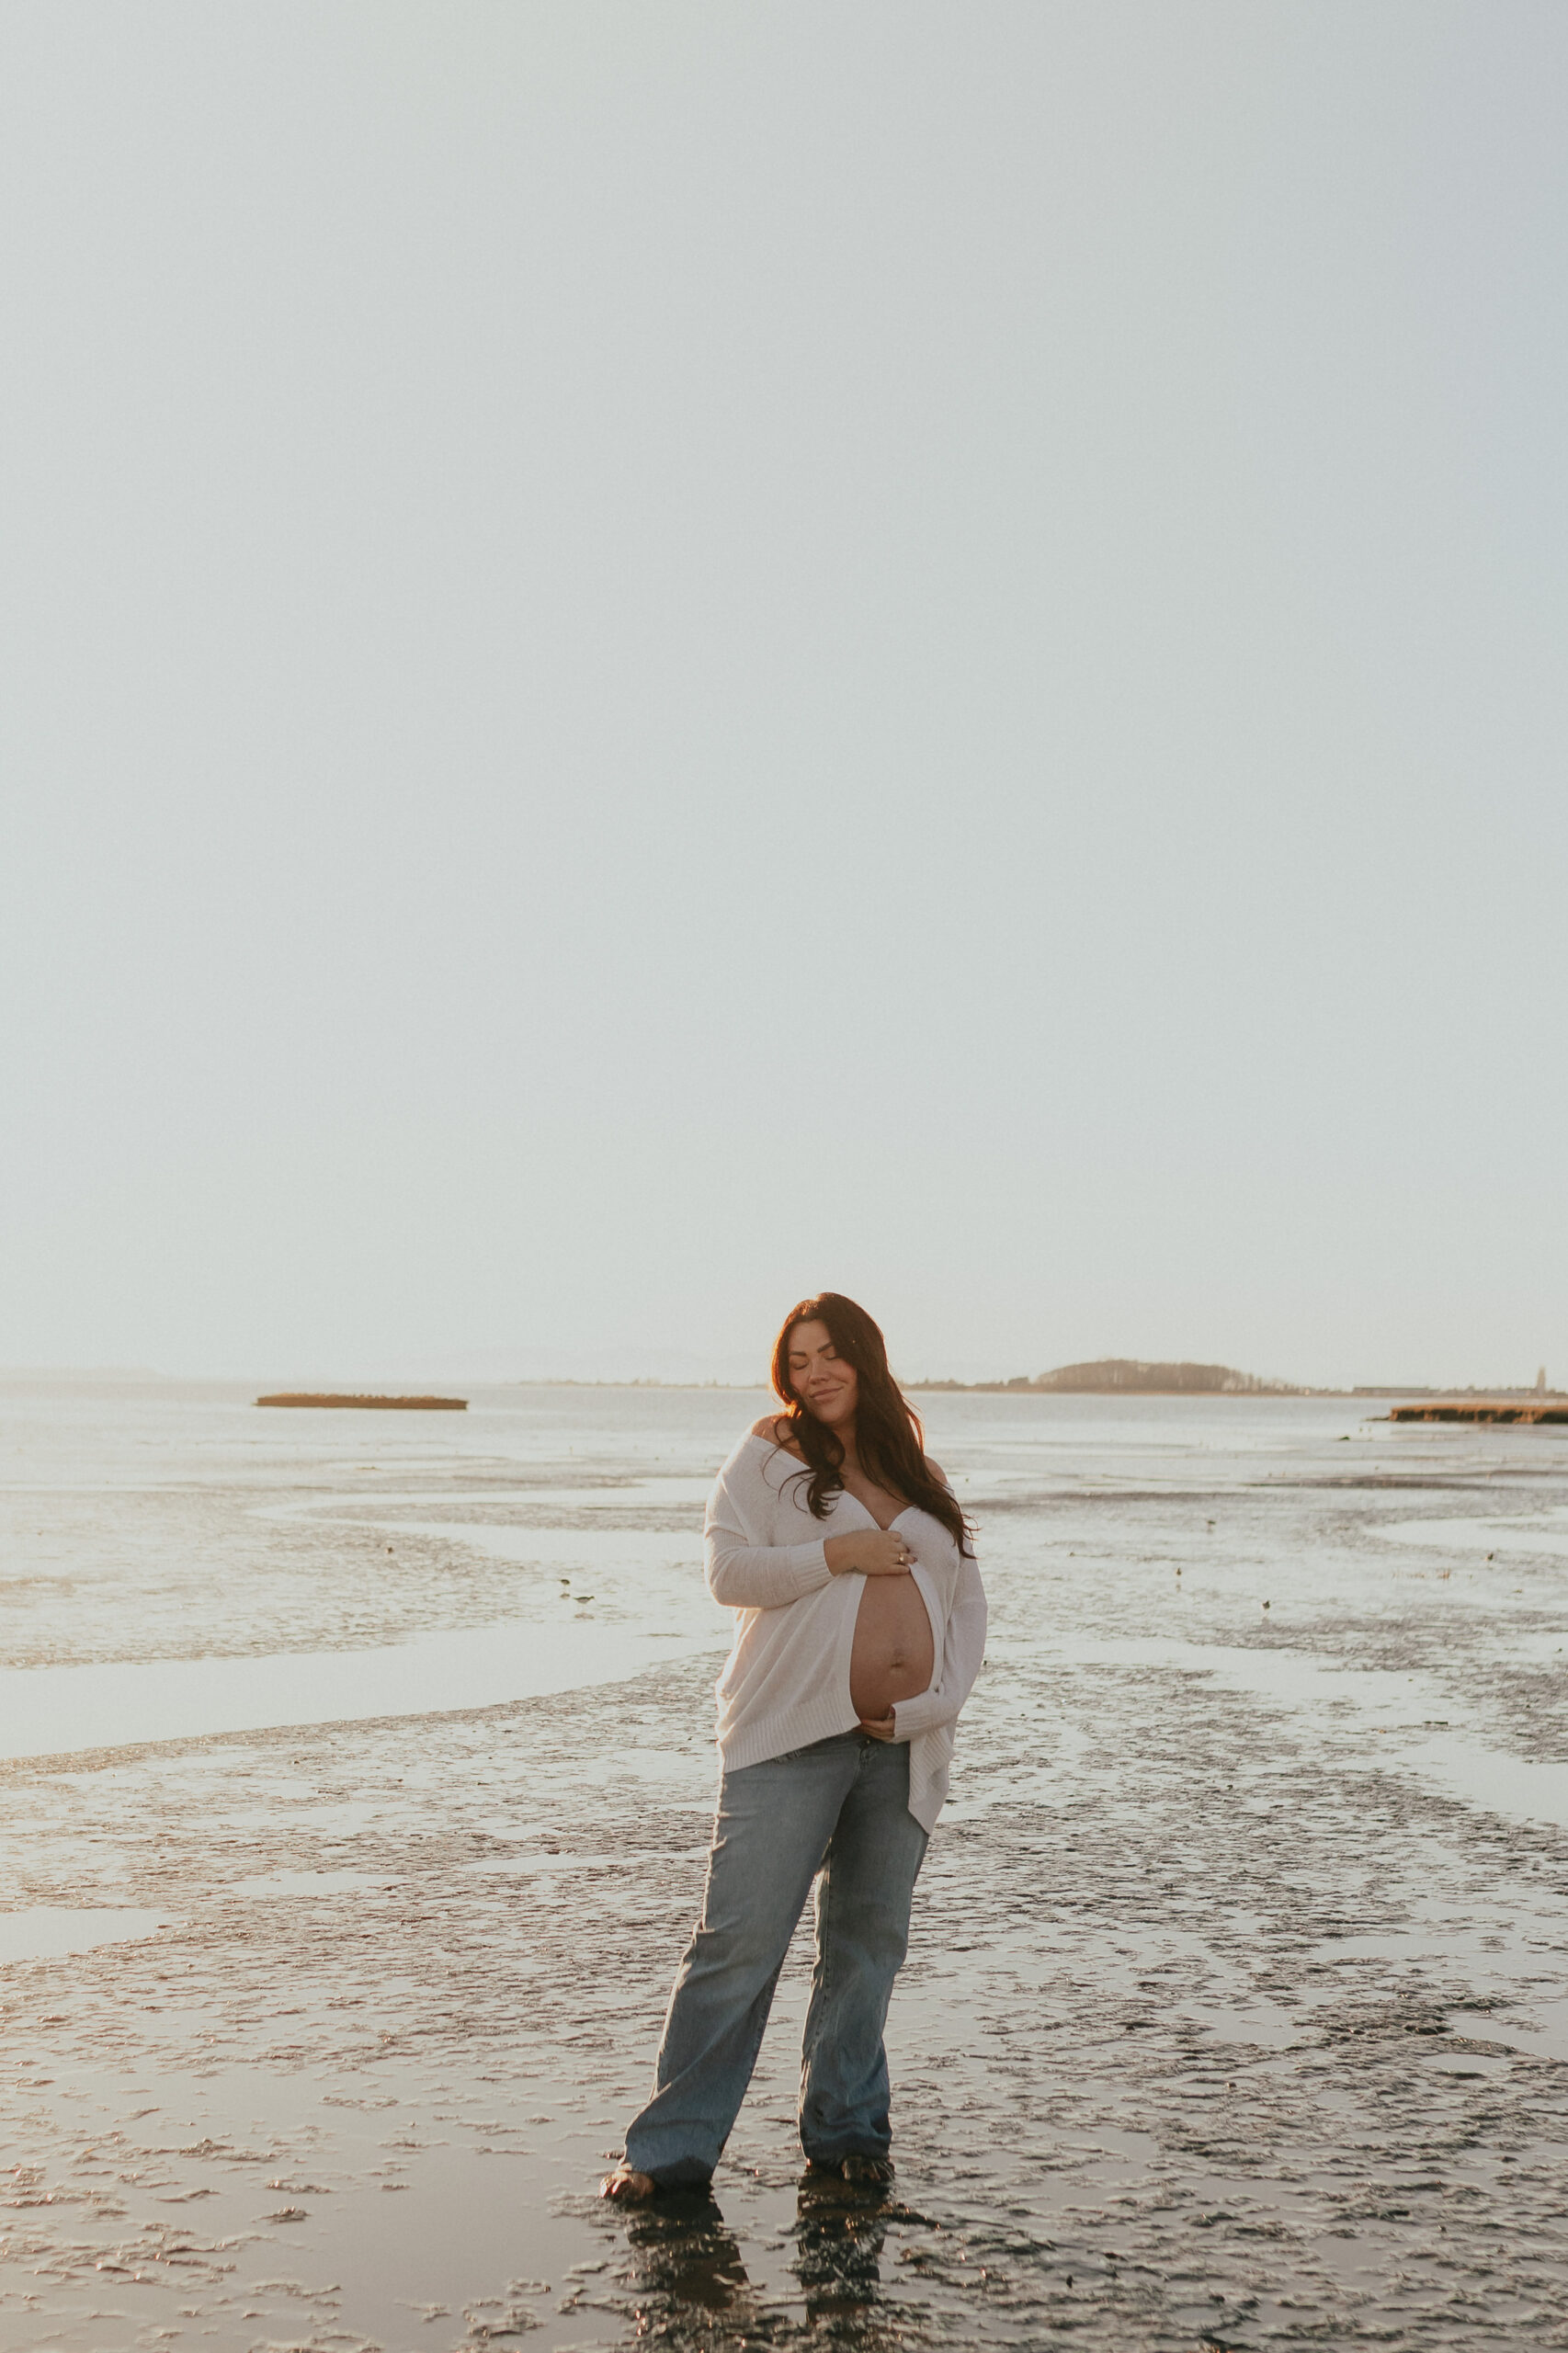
point(891, 1657)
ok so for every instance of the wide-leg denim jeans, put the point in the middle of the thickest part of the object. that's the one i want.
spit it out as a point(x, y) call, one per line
point(840, 1807)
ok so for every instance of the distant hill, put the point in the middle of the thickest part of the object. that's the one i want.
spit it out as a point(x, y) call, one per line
point(1132, 1377)
point(1109, 1375)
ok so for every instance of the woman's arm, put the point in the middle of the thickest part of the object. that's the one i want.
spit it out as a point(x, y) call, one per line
point(962, 1650)
point(742, 1575)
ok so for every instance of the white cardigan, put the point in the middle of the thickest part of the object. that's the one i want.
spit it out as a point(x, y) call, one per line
point(786, 1682)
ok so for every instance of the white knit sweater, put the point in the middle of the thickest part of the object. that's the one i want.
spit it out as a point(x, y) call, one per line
point(786, 1682)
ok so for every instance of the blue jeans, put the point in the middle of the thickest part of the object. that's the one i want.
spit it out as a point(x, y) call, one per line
point(840, 1807)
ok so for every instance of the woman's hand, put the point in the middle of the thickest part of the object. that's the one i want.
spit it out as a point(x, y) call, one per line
point(880, 1727)
point(877, 1554)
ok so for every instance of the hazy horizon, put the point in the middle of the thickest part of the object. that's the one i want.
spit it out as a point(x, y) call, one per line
point(500, 1369)
point(663, 658)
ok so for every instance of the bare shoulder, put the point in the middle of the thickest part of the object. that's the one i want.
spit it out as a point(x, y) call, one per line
point(776, 1429)
point(937, 1470)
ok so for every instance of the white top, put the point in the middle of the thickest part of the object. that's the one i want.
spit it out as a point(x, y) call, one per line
point(786, 1682)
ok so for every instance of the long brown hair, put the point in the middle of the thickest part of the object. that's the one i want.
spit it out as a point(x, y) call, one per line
point(889, 1438)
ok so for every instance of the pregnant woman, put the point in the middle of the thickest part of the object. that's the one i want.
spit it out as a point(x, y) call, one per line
point(860, 1623)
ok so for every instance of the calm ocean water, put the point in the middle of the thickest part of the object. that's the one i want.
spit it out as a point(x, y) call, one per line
point(355, 1772)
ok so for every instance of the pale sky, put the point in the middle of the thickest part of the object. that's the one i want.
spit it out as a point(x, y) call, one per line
point(659, 655)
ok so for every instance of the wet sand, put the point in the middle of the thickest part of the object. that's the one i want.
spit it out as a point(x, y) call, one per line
point(1236, 2013)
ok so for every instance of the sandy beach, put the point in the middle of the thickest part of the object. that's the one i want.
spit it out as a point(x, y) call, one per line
point(355, 1781)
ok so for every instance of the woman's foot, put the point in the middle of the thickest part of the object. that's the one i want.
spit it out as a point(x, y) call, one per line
point(864, 2169)
point(626, 2187)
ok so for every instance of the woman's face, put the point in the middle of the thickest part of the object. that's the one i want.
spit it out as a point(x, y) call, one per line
point(826, 1386)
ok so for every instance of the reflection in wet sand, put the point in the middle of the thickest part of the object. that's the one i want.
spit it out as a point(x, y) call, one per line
point(690, 2288)
point(839, 2236)
point(686, 2270)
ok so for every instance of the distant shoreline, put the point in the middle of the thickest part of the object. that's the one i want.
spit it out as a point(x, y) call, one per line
point(1027, 1388)
point(1014, 1386)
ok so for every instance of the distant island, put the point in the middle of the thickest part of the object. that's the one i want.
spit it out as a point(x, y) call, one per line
point(1133, 1377)
point(369, 1404)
